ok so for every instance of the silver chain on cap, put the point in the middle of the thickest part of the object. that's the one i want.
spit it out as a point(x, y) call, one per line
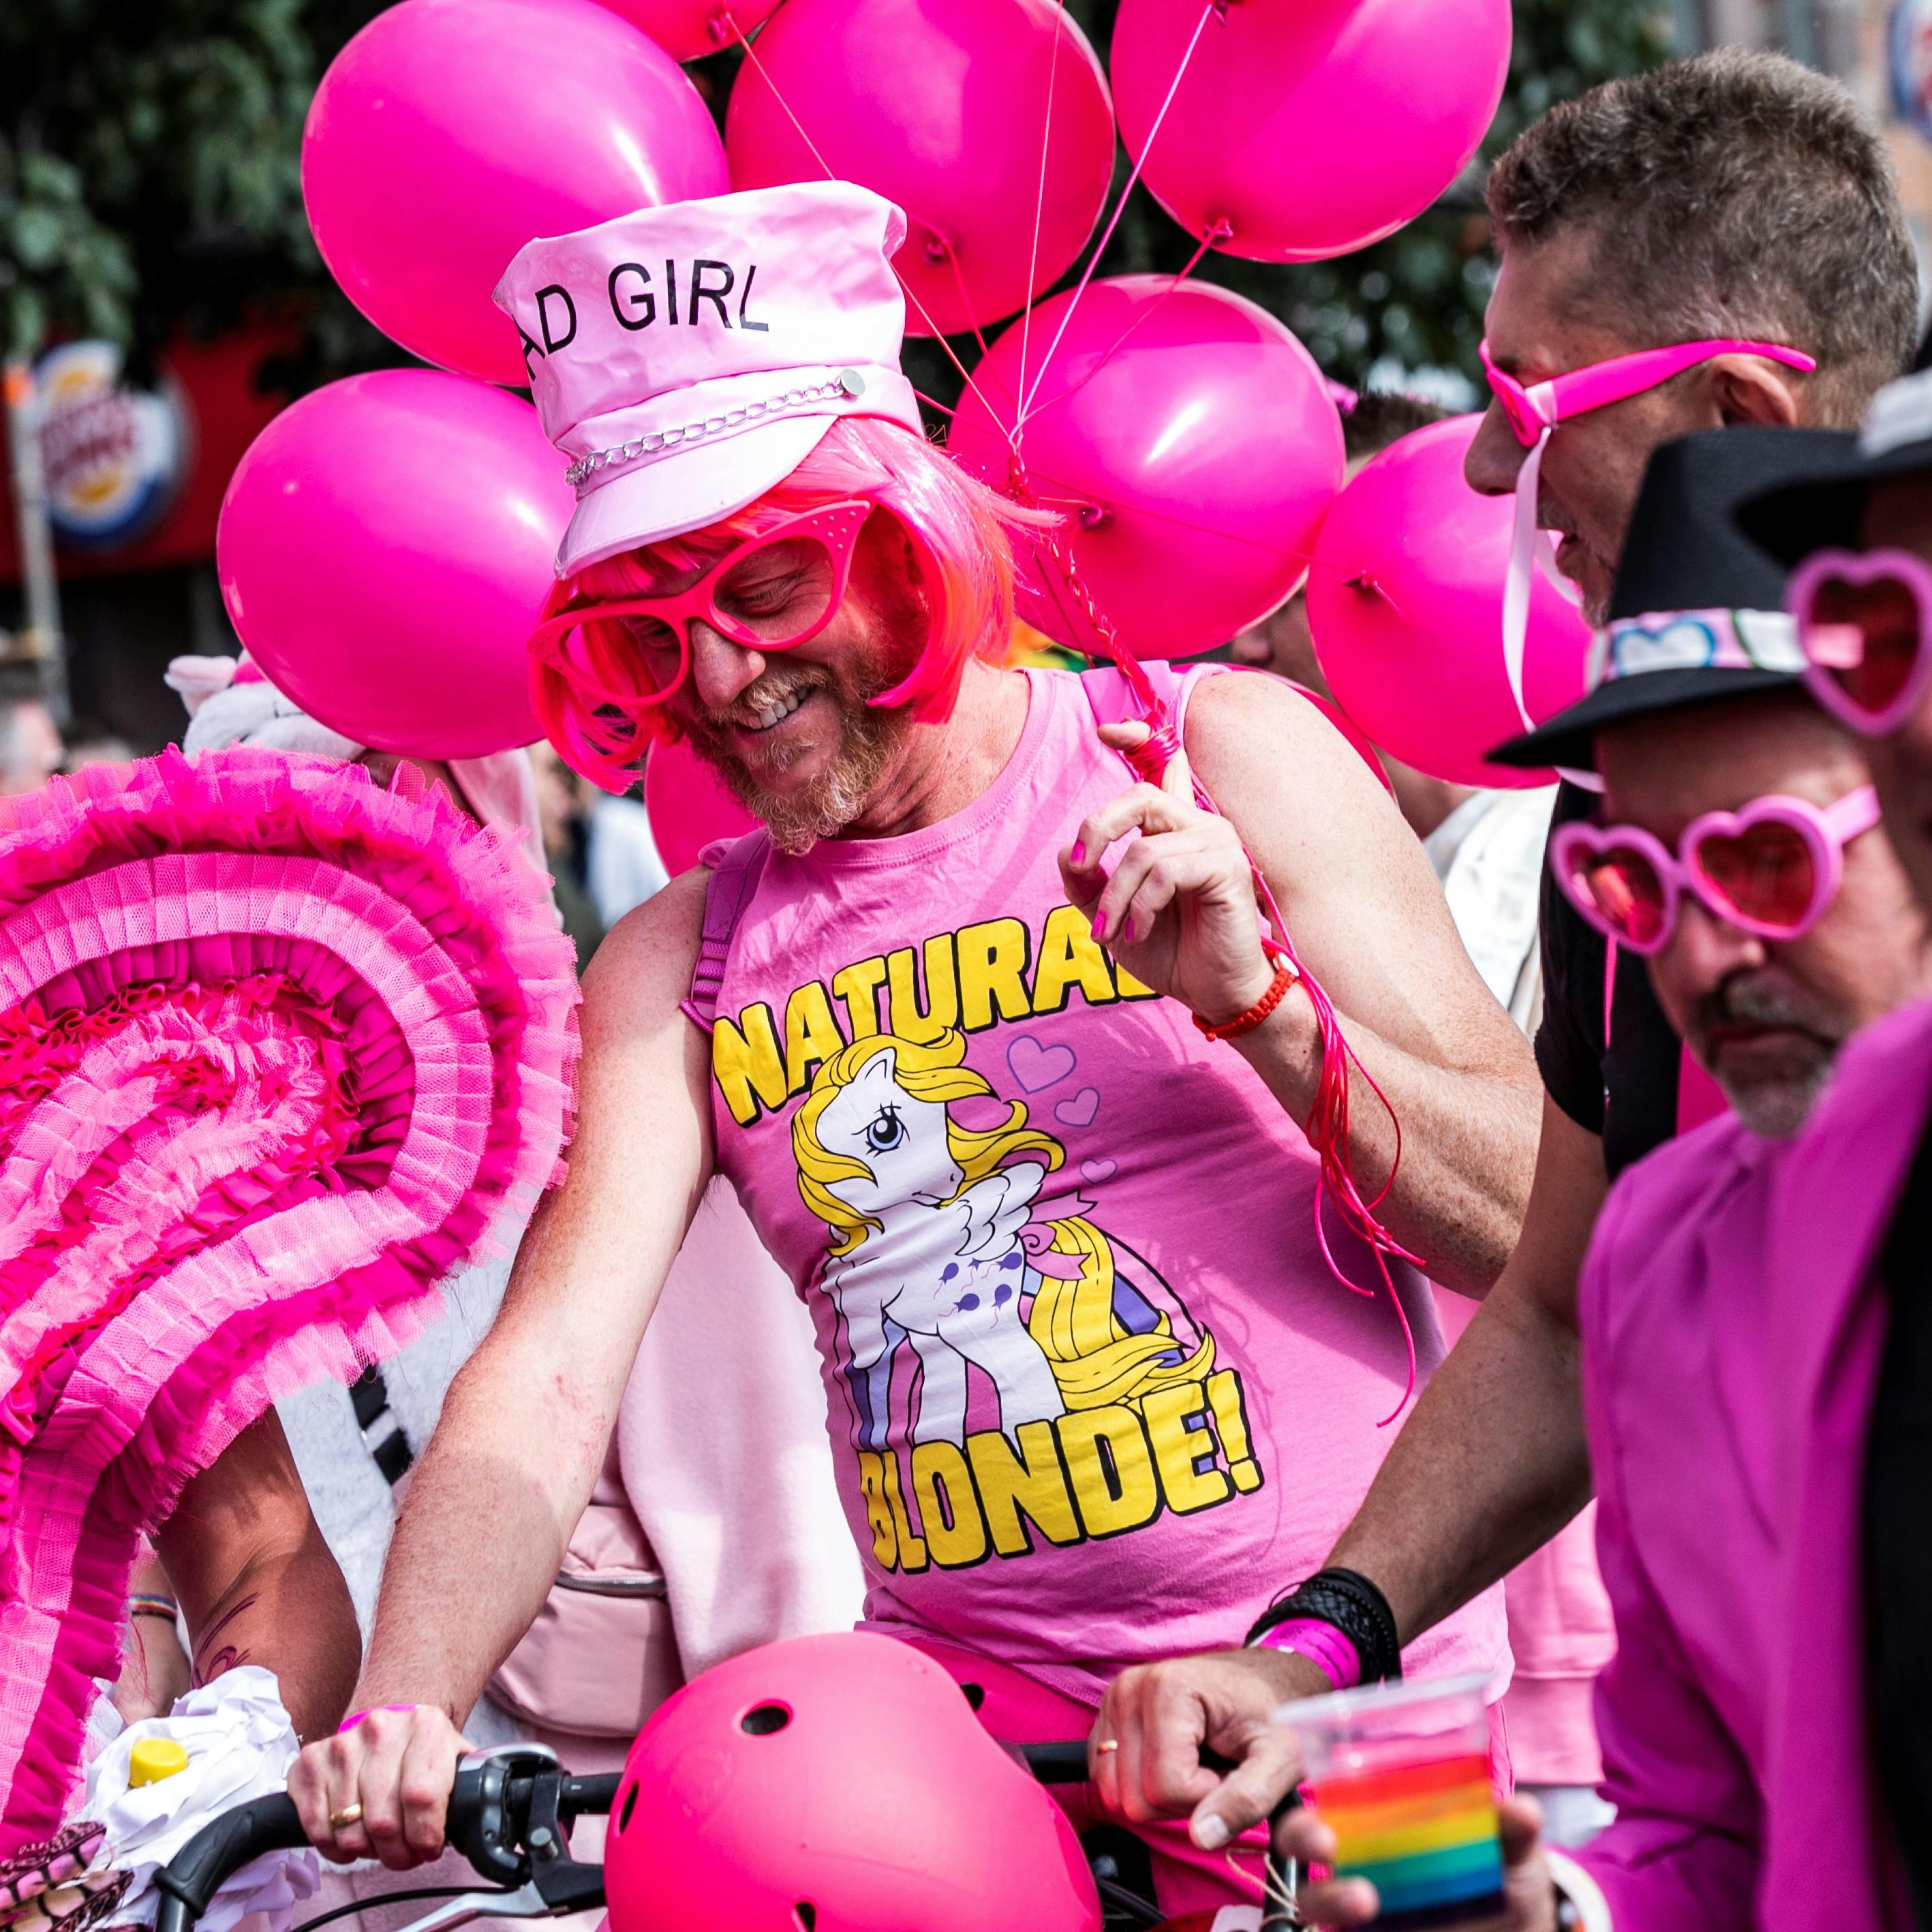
point(847, 383)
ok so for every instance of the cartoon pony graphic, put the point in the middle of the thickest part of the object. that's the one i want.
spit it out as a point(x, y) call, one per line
point(937, 1241)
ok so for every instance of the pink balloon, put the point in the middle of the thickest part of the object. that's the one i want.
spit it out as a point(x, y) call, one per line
point(449, 132)
point(1405, 606)
point(385, 549)
point(1311, 126)
point(689, 29)
point(1188, 435)
point(689, 805)
point(939, 105)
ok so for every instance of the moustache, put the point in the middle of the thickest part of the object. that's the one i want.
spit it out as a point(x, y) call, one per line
point(1745, 1000)
point(774, 687)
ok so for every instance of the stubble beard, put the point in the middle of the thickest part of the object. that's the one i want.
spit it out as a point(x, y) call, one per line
point(1777, 1107)
point(870, 737)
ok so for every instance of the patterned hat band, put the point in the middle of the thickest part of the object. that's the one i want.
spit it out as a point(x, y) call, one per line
point(1697, 640)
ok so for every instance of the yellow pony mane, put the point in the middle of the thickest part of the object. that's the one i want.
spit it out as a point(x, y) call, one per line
point(927, 1072)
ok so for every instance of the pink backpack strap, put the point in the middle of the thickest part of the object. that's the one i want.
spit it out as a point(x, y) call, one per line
point(736, 869)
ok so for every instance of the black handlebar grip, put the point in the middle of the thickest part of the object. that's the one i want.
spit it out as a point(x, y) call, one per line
point(1056, 1763)
point(218, 1851)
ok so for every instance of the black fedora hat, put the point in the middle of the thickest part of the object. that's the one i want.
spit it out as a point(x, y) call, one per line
point(1819, 508)
point(1697, 610)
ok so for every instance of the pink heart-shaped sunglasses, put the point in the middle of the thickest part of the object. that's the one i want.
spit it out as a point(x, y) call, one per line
point(1865, 622)
point(1770, 869)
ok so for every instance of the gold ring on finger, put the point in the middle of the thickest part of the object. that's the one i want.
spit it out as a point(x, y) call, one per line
point(350, 1814)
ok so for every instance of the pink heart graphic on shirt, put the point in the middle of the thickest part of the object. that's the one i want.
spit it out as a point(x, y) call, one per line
point(1079, 1111)
point(1096, 1170)
point(1037, 1067)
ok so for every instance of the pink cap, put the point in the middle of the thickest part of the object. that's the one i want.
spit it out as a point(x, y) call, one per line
point(686, 358)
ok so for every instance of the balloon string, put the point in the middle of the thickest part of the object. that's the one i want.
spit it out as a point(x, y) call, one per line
point(911, 293)
point(1208, 13)
point(965, 301)
point(1040, 202)
point(1220, 231)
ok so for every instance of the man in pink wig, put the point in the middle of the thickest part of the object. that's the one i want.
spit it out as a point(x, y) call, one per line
point(990, 1041)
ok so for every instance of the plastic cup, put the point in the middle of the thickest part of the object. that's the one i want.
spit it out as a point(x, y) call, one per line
point(1400, 1774)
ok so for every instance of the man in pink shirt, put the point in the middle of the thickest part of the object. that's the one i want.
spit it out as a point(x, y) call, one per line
point(1024, 1105)
point(1849, 1841)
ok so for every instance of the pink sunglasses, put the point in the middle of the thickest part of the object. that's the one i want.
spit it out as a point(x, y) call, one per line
point(1865, 621)
point(1770, 869)
point(773, 593)
point(1535, 409)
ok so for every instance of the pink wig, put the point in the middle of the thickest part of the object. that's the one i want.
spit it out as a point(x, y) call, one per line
point(957, 525)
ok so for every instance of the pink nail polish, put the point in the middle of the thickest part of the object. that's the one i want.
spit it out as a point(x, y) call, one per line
point(1099, 926)
point(1078, 856)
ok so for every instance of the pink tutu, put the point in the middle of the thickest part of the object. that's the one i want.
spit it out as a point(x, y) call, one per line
point(278, 1050)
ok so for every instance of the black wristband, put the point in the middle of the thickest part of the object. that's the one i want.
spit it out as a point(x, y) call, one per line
point(1348, 1601)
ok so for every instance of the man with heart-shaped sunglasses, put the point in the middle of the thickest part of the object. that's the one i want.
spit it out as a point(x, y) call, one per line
point(1851, 1250)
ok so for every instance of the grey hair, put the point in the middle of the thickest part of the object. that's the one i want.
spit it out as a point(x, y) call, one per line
point(1736, 194)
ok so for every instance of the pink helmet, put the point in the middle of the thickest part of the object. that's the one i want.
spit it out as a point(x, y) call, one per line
point(836, 1784)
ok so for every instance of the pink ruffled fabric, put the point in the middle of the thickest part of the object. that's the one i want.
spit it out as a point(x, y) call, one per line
point(279, 1050)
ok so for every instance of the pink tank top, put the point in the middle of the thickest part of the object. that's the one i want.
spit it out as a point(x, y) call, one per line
point(1094, 1396)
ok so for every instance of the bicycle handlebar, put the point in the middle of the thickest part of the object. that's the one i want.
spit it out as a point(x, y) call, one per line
point(220, 1849)
point(490, 1821)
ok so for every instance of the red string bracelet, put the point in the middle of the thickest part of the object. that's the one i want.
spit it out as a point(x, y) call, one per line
point(1285, 976)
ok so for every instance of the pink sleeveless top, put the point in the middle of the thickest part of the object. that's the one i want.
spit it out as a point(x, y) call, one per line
point(1094, 1396)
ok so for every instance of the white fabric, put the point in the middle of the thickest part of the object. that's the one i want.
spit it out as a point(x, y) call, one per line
point(1592, 1908)
point(1488, 853)
point(1522, 561)
point(623, 865)
point(222, 712)
point(1901, 413)
point(722, 1441)
point(240, 1745)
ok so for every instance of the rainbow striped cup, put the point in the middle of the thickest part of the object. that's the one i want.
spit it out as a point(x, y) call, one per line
point(1400, 1774)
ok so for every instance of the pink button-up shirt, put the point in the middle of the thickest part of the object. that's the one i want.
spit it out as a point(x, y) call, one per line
point(1733, 1321)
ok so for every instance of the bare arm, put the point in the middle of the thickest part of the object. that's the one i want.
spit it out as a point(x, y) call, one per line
point(153, 1668)
point(257, 1581)
point(1368, 918)
point(508, 1473)
point(1491, 1465)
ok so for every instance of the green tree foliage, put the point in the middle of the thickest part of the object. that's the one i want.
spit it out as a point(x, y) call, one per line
point(149, 182)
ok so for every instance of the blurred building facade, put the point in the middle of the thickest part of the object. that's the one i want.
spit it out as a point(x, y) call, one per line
point(1882, 49)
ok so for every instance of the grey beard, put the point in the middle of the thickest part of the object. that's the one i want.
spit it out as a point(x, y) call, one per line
point(796, 823)
point(1778, 1110)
